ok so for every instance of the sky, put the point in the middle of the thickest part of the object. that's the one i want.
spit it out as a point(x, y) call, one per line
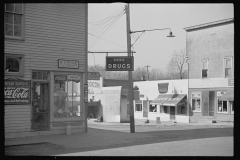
point(152, 48)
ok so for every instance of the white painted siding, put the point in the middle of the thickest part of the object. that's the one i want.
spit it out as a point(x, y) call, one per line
point(17, 118)
point(52, 32)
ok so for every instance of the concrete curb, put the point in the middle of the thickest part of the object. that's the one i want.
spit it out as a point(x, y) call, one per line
point(161, 124)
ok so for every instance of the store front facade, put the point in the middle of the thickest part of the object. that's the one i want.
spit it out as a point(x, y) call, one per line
point(165, 99)
point(213, 103)
point(44, 70)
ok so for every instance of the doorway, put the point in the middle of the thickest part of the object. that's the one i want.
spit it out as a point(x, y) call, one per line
point(172, 113)
point(40, 106)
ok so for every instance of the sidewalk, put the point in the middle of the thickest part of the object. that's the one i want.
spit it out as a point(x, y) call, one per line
point(139, 122)
point(91, 138)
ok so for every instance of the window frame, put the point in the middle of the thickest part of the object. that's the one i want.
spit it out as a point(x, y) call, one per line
point(21, 65)
point(224, 112)
point(138, 103)
point(224, 66)
point(56, 119)
point(202, 61)
point(153, 109)
point(23, 23)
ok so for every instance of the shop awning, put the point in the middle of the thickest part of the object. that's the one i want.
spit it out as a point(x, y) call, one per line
point(228, 96)
point(168, 99)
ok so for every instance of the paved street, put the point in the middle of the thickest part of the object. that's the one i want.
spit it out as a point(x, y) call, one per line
point(147, 141)
point(222, 146)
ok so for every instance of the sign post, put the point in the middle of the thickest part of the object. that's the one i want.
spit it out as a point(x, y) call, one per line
point(132, 123)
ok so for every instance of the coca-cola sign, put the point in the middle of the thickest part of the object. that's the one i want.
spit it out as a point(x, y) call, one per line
point(17, 92)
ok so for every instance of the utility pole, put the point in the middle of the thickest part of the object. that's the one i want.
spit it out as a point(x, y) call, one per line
point(130, 99)
point(147, 71)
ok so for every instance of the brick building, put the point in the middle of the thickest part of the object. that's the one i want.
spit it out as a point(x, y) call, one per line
point(210, 49)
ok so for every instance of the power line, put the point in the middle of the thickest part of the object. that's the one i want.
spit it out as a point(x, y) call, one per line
point(106, 40)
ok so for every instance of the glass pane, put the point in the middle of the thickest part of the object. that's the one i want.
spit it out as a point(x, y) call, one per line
point(18, 19)
point(204, 64)
point(224, 106)
point(12, 64)
point(17, 31)
point(34, 75)
point(60, 97)
point(219, 106)
point(40, 105)
point(9, 18)
point(18, 8)
point(196, 105)
point(204, 73)
point(40, 75)
point(9, 30)
point(9, 7)
point(228, 72)
point(228, 63)
point(44, 75)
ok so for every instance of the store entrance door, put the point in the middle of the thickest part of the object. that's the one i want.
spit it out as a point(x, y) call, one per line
point(40, 106)
point(172, 112)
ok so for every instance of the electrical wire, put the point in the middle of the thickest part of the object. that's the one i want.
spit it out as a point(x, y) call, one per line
point(106, 40)
point(101, 27)
point(104, 31)
point(99, 30)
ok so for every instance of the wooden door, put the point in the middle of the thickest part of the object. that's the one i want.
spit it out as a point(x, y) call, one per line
point(172, 112)
point(40, 106)
point(211, 103)
point(205, 103)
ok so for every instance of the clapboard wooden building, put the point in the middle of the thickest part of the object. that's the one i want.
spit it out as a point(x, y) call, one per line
point(45, 61)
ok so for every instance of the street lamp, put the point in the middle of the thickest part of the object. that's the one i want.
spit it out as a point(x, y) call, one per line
point(129, 45)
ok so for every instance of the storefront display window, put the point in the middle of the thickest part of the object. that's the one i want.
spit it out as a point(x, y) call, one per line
point(222, 106)
point(153, 108)
point(196, 102)
point(182, 108)
point(66, 96)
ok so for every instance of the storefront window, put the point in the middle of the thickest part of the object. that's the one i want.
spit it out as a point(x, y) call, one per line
point(164, 109)
point(196, 105)
point(196, 101)
point(66, 96)
point(222, 106)
point(182, 108)
point(138, 105)
point(153, 108)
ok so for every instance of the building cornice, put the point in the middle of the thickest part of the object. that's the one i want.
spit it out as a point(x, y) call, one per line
point(208, 25)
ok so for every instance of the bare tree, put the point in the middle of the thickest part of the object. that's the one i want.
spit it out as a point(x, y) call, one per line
point(178, 65)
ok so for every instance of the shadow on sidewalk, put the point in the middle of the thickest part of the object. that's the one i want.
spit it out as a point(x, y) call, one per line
point(97, 139)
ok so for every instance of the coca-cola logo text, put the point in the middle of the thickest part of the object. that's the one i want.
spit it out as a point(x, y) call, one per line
point(16, 92)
